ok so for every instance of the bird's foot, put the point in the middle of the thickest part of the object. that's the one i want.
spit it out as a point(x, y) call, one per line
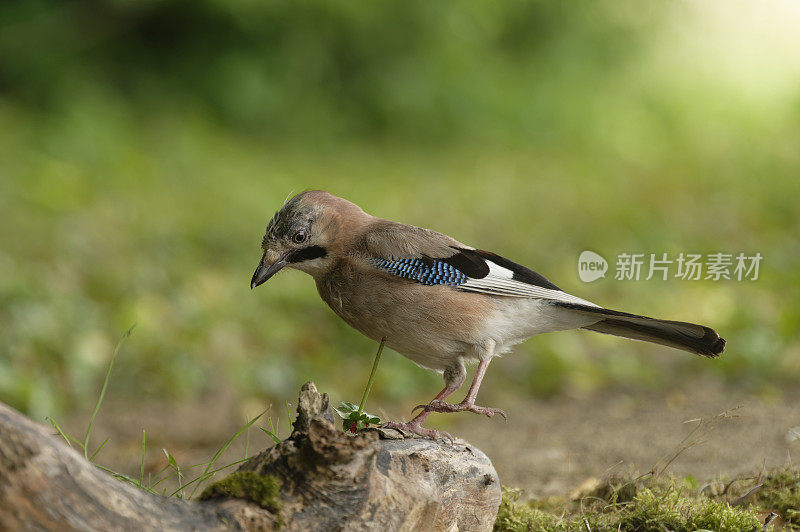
point(437, 405)
point(416, 427)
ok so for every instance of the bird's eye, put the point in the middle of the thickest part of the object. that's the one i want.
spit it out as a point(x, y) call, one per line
point(299, 237)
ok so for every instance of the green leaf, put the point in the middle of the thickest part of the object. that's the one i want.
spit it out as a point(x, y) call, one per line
point(346, 410)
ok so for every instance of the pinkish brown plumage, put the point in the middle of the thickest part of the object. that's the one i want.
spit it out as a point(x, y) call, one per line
point(437, 301)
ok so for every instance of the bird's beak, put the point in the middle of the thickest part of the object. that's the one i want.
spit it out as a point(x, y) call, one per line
point(264, 271)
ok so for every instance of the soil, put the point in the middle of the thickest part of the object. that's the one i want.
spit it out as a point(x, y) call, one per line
point(551, 447)
point(547, 447)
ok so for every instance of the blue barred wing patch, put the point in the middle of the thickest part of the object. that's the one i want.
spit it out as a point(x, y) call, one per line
point(425, 271)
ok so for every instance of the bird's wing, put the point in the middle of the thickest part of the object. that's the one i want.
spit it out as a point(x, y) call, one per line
point(387, 239)
point(507, 278)
point(431, 258)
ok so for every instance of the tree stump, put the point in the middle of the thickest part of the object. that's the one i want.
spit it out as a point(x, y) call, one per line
point(320, 478)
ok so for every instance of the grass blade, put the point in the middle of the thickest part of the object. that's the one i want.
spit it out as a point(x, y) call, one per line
point(271, 434)
point(103, 391)
point(222, 450)
point(120, 476)
point(58, 429)
point(98, 450)
point(70, 439)
point(246, 443)
point(180, 471)
point(141, 467)
point(176, 470)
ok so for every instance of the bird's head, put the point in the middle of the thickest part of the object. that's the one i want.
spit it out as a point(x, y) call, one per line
point(307, 234)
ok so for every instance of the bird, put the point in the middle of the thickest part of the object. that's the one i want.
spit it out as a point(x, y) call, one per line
point(436, 301)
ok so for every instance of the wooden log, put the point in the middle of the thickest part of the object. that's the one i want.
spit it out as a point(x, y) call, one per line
point(319, 478)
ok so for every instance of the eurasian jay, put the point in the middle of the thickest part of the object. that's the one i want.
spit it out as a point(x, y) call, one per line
point(435, 300)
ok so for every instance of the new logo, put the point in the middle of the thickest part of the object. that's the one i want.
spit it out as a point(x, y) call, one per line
point(591, 266)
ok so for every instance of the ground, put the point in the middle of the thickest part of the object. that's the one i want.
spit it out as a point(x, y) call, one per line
point(551, 447)
point(547, 447)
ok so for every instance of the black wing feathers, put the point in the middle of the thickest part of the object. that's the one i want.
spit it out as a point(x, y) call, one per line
point(472, 262)
point(521, 273)
point(468, 262)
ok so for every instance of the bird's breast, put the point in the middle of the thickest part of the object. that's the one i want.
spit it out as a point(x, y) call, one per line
point(429, 324)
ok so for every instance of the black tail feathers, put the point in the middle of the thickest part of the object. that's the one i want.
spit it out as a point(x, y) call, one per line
point(689, 337)
point(681, 335)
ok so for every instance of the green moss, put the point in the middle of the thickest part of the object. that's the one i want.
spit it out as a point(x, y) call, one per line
point(649, 509)
point(780, 493)
point(263, 490)
point(514, 516)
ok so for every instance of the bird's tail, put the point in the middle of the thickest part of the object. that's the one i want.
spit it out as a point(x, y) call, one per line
point(690, 337)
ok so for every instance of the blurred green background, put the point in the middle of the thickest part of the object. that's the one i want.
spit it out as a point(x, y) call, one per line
point(144, 145)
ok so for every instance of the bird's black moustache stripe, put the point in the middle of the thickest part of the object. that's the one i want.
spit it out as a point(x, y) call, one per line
point(304, 254)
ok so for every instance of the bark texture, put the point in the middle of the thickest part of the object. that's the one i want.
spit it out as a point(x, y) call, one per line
point(377, 480)
point(45, 485)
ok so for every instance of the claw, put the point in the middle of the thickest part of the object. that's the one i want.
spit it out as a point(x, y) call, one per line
point(417, 428)
point(419, 407)
point(442, 407)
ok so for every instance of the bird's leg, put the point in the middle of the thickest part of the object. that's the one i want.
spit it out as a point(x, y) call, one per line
point(468, 404)
point(454, 377)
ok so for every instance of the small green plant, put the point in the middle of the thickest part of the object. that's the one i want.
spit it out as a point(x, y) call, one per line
point(353, 417)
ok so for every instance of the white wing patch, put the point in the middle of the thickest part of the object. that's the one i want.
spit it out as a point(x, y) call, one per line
point(500, 281)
